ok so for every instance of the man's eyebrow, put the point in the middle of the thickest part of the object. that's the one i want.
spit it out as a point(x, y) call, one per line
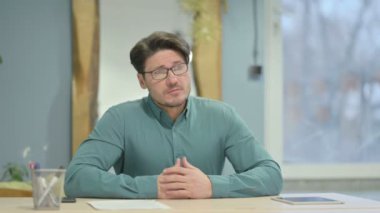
point(157, 67)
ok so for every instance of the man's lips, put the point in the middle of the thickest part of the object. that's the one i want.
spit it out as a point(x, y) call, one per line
point(174, 90)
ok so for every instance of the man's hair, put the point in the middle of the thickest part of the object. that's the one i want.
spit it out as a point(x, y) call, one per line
point(155, 42)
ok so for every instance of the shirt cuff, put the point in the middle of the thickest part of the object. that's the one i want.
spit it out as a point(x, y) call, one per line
point(147, 186)
point(220, 185)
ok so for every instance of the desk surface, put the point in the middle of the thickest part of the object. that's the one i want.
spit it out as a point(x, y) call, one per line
point(260, 204)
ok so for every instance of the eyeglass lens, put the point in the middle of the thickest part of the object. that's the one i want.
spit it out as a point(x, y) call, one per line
point(162, 73)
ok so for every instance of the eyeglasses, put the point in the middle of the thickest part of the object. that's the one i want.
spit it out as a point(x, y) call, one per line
point(162, 73)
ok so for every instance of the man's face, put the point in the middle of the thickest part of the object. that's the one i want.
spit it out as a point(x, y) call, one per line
point(171, 91)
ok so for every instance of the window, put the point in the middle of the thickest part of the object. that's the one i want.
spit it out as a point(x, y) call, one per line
point(323, 84)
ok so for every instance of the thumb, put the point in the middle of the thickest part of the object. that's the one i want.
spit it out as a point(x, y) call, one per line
point(178, 163)
point(186, 163)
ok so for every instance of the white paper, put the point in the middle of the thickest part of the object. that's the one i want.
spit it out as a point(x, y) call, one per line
point(126, 204)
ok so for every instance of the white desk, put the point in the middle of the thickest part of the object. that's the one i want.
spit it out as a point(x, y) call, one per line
point(260, 204)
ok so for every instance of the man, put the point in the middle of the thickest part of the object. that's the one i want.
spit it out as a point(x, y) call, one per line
point(170, 145)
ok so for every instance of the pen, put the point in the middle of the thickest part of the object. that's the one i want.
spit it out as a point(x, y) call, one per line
point(34, 166)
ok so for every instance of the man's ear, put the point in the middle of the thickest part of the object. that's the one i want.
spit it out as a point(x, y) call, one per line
point(141, 79)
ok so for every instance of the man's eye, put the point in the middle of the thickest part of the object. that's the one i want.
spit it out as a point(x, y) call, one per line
point(177, 67)
point(160, 72)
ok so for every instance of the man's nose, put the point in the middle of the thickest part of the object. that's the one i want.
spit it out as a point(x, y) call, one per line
point(171, 78)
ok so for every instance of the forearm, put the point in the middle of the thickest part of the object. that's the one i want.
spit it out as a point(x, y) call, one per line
point(263, 180)
point(88, 181)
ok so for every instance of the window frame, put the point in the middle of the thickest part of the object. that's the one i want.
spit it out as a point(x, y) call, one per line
point(273, 105)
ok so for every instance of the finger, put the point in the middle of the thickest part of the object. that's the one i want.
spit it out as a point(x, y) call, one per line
point(186, 163)
point(178, 162)
point(175, 170)
point(172, 186)
point(176, 165)
point(172, 178)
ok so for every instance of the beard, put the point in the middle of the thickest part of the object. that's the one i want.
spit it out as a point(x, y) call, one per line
point(175, 101)
point(171, 100)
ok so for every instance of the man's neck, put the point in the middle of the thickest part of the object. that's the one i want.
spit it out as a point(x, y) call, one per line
point(174, 112)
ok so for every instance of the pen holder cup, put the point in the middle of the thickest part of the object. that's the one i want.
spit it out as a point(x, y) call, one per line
point(47, 187)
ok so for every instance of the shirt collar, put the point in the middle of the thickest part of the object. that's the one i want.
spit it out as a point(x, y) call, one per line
point(155, 109)
point(161, 115)
point(188, 107)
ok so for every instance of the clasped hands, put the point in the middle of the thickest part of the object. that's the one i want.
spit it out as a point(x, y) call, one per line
point(183, 181)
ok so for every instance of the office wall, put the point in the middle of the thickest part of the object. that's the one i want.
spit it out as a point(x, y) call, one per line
point(35, 81)
point(239, 90)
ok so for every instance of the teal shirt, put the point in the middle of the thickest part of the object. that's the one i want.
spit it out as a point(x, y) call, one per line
point(139, 140)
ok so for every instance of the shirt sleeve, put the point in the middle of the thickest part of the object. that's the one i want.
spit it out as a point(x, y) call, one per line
point(257, 174)
point(87, 174)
